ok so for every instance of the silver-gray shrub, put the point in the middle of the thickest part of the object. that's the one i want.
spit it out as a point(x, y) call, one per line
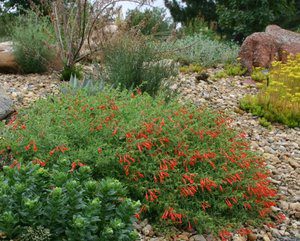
point(201, 50)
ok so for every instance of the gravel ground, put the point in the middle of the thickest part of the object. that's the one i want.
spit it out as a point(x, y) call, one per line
point(279, 145)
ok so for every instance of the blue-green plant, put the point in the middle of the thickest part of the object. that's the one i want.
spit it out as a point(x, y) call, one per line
point(199, 49)
point(66, 200)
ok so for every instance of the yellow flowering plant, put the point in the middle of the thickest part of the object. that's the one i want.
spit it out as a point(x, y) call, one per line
point(279, 99)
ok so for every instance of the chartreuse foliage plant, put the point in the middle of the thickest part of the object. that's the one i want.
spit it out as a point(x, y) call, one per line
point(186, 166)
point(192, 68)
point(230, 70)
point(279, 98)
point(259, 74)
point(70, 204)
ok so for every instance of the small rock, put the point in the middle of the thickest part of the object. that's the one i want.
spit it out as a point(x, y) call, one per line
point(197, 238)
point(266, 237)
point(284, 205)
point(295, 206)
point(293, 163)
point(147, 230)
point(252, 237)
point(238, 237)
point(183, 237)
point(144, 223)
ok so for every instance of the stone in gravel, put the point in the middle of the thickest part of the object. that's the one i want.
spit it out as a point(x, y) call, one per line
point(6, 105)
point(266, 237)
point(284, 205)
point(157, 239)
point(147, 230)
point(183, 237)
point(297, 215)
point(144, 223)
point(294, 163)
point(252, 237)
point(137, 226)
point(238, 237)
point(275, 232)
point(295, 206)
point(197, 238)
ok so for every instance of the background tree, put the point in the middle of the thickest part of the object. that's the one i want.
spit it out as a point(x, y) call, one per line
point(149, 21)
point(205, 9)
point(238, 19)
point(19, 6)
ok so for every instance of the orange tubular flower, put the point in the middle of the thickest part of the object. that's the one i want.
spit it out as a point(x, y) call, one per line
point(225, 235)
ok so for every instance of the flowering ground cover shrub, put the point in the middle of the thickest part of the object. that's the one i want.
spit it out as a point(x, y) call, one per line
point(279, 98)
point(186, 166)
point(200, 49)
point(71, 205)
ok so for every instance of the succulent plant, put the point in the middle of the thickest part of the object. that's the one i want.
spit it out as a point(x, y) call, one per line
point(88, 84)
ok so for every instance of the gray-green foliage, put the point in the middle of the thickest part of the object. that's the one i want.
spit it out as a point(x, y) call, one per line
point(66, 200)
point(89, 84)
point(201, 50)
point(132, 62)
point(33, 38)
point(36, 234)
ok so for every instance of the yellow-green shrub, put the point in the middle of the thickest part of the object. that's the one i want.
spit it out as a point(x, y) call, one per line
point(279, 99)
point(192, 68)
point(259, 75)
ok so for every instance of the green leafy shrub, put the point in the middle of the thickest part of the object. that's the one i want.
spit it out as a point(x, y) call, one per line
point(33, 39)
point(235, 69)
point(132, 62)
point(279, 97)
point(185, 165)
point(199, 26)
point(201, 50)
point(150, 21)
point(6, 21)
point(66, 200)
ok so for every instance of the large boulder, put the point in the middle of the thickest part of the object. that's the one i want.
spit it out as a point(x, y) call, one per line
point(260, 49)
point(8, 62)
point(6, 105)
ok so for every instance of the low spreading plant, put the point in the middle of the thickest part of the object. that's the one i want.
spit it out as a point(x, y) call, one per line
point(192, 68)
point(263, 122)
point(279, 98)
point(186, 165)
point(200, 49)
point(33, 38)
point(231, 70)
point(69, 203)
point(259, 74)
